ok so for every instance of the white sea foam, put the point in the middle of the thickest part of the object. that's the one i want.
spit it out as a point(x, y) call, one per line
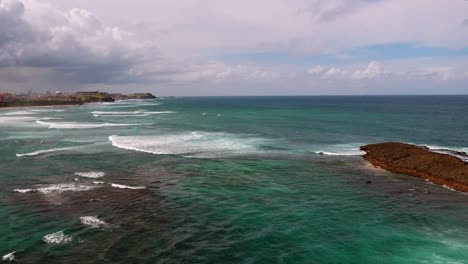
point(449, 151)
point(76, 125)
point(57, 238)
point(93, 222)
point(121, 186)
point(17, 120)
point(194, 144)
point(351, 149)
point(46, 151)
point(48, 110)
point(9, 257)
point(91, 174)
point(24, 190)
point(347, 153)
point(98, 182)
point(58, 188)
point(138, 113)
point(19, 113)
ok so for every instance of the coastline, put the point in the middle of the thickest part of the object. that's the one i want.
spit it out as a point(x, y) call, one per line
point(439, 168)
point(36, 106)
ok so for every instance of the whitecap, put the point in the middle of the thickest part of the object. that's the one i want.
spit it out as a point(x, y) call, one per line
point(57, 238)
point(346, 153)
point(9, 257)
point(76, 125)
point(57, 188)
point(194, 144)
point(17, 120)
point(48, 110)
point(98, 182)
point(46, 151)
point(91, 174)
point(93, 222)
point(139, 113)
point(24, 190)
point(350, 149)
point(121, 186)
point(19, 113)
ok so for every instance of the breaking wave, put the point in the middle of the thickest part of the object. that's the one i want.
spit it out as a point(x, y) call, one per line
point(133, 113)
point(194, 144)
point(9, 257)
point(91, 174)
point(57, 238)
point(76, 125)
point(351, 149)
point(58, 188)
point(20, 113)
point(47, 151)
point(93, 222)
point(121, 186)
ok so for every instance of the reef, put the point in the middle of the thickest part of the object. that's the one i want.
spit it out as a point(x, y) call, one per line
point(443, 167)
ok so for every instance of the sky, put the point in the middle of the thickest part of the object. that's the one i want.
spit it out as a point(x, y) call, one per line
point(254, 47)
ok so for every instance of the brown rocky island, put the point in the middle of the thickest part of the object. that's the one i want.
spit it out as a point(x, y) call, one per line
point(441, 168)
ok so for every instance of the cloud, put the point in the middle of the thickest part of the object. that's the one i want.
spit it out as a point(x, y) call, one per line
point(75, 43)
point(442, 73)
point(370, 71)
point(167, 43)
point(217, 71)
point(330, 10)
point(373, 70)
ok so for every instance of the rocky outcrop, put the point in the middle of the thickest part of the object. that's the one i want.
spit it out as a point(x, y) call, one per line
point(440, 168)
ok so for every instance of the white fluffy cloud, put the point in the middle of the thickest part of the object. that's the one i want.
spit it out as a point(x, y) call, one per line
point(376, 71)
point(371, 71)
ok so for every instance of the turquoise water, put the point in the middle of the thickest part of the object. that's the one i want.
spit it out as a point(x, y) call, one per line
point(228, 180)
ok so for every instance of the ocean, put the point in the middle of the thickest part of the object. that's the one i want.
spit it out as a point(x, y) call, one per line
point(228, 180)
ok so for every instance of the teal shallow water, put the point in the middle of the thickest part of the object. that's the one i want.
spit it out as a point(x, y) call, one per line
point(229, 180)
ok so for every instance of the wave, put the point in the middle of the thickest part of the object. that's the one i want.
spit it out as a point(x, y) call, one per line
point(57, 238)
point(138, 113)
point(76, 125)
point(194, 144)
point(46, 151)
point(349, 149)
point(348, 153)
point(24, 190)
point(121, 186)
point(17, 120)
point(91, 174)
point(98, 182)
point(20, 113)
point(58, 188)
point(93, 222)
point(48, 110)
point(9, 257)
point(459, 153)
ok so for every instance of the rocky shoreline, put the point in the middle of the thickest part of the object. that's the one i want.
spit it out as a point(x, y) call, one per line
point(440, 167)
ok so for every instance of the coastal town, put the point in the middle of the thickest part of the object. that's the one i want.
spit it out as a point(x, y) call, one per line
point(58, 98)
